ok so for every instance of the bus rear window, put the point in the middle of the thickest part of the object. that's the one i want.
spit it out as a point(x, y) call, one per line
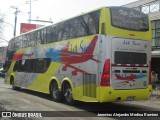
point(130, 58)
point(129, 19)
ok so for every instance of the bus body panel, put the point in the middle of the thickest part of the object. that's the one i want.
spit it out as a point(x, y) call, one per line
point(76, 62)
point(124, 88)
point(108, 94)
point(130, 63)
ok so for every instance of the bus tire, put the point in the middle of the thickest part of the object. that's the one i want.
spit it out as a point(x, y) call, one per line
point(13, 85)
point(68, 95)
point(56, 95)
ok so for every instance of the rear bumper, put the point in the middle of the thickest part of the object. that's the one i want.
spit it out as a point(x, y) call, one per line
point(108, 94)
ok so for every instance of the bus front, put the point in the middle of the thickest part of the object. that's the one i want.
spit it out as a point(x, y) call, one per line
point(127, 50)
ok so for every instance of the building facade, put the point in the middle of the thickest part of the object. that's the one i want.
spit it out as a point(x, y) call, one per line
point(2, 55)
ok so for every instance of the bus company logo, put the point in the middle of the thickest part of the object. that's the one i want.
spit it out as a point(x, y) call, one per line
point(6, 114)
point(131, 14)
point(130, 78)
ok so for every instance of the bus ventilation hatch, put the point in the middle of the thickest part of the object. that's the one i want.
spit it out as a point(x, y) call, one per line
point(89, 85)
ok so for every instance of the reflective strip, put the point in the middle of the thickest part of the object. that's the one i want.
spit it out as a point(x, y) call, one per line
point(131, 65)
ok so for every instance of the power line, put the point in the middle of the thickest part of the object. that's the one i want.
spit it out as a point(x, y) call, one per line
point(7, 23)
point(4, 40)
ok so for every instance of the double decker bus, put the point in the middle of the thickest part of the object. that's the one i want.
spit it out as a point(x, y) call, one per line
point(100, 56)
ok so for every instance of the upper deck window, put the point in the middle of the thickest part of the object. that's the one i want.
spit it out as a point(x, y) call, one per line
point(129, 19)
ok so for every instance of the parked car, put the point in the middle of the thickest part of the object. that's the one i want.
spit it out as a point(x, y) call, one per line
point(2, 73)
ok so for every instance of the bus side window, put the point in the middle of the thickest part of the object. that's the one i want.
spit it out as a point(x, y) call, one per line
point(42, 65)
point(7, 65)
point(22, 67)
point(15, 66)
point(30, 65)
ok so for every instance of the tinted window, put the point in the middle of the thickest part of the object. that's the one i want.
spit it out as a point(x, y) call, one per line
point(9, 55)
point(20, 66)
point(16, 66)
point(6, 65)
point(129, 19)
point(30, 65)
point(130, 58)
point(42, 65)
point(83, 25)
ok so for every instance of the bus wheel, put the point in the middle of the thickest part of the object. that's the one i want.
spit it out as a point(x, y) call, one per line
point(68, 95)
point(13, 85)
point(55, 93)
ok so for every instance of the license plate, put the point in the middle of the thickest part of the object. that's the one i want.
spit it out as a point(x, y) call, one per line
point(130, 98)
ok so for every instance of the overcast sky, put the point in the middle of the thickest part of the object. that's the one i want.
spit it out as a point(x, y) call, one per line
point(55, 10)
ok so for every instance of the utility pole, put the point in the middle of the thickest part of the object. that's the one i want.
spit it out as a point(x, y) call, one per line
point(30, 9)
point(30, 6)
point(15, 21)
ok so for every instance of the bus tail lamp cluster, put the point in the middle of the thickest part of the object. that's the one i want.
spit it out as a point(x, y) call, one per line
point(105, 79)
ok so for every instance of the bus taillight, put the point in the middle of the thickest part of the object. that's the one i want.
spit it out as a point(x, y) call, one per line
point(105, 79)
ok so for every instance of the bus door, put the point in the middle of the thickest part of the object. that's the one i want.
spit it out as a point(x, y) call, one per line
point(130, 63)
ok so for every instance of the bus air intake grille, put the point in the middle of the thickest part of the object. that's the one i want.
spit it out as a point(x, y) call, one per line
point(89, 85)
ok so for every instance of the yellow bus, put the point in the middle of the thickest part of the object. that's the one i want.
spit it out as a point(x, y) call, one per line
point(100, 56)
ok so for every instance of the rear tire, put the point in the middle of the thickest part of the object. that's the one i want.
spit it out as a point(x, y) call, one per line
point(55, 93)
point(68, 95)
point(13, 85)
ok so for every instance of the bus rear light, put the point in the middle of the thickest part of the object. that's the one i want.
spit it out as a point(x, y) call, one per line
point(105, 79)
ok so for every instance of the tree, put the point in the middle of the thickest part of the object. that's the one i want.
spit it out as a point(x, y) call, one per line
point(1, 26)
point(1, 23)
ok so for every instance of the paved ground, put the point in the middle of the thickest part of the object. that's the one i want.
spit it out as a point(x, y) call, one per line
point(25, 100)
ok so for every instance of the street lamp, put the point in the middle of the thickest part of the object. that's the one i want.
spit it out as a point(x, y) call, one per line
point(8, 24)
